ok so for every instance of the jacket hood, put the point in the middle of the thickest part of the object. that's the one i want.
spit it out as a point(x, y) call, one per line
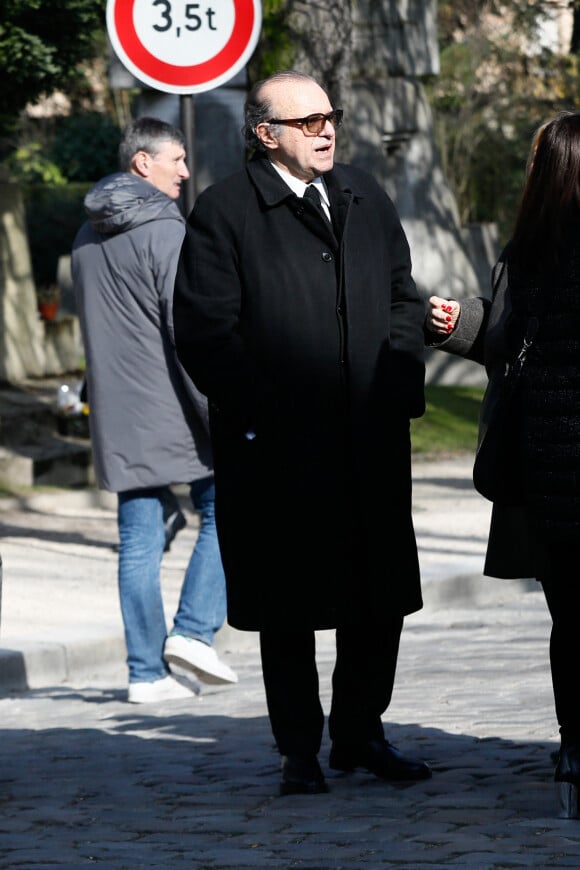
point(123, 201)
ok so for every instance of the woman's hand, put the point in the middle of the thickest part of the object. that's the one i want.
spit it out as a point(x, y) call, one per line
point(443, 315)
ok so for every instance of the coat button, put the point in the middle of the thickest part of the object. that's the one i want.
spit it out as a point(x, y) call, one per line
point(327, 257)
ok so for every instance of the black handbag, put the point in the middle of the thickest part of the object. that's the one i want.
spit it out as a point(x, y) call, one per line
point(497, 469)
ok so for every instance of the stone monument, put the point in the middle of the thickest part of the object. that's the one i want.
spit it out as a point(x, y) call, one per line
point(21, 334)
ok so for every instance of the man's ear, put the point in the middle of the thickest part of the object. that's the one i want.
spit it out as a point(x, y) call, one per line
point(264, 134)
point(141, 164)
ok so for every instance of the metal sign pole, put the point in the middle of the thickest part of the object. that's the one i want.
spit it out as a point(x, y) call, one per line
point(187, 112)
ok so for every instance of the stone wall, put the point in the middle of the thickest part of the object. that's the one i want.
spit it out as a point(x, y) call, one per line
point(29, 347)
point(21, 344)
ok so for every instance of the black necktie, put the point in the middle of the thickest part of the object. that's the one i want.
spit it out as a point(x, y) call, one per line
point(313, 195)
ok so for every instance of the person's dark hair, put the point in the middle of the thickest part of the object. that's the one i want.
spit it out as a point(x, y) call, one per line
point(258, 109)
point(550, 203)
point(146, 134)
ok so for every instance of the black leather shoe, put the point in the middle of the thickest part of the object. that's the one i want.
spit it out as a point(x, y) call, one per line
point(568, 766)
point(379, 757)
point(174, 523)
point(301, 774)
point(567, 776)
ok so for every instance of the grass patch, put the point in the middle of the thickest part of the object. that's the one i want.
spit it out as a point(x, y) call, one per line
point(450, 422)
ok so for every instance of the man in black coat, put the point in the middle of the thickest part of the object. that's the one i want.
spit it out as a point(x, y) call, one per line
point(298, 317)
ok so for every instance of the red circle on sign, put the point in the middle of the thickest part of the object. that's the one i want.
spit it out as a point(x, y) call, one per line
point(184, 76)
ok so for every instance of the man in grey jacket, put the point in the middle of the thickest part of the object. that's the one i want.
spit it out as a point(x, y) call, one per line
point(149, 426)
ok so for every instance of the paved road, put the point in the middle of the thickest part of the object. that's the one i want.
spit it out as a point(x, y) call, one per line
point(86, 779)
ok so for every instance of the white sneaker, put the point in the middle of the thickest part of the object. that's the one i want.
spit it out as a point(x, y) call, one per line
point(168, 688)
point(196, 656)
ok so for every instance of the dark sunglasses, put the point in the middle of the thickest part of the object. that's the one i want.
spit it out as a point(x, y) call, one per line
point(312, 124)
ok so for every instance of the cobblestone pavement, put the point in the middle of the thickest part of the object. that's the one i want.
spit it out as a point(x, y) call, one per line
point(86, 779)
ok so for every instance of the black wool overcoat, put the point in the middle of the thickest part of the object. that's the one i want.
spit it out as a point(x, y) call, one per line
point(481, 336)
point(309, 346)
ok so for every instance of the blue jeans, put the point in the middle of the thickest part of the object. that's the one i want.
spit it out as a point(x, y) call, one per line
point(202, 604)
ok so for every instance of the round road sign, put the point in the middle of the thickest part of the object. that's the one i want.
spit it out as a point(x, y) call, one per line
point(180, 47)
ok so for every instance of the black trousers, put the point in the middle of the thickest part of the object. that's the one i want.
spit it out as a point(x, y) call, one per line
point(362, 684)
point(562, 591)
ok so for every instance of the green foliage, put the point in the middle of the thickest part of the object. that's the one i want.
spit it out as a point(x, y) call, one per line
point(79, 147)
point(450, 422)
point(85, 146)
point(53, 217)
point(43, 46)
point(28, 165)
point(491, 95)
point(274, 50)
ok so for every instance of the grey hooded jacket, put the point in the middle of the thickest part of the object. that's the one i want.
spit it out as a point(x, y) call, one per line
point(148, 423)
